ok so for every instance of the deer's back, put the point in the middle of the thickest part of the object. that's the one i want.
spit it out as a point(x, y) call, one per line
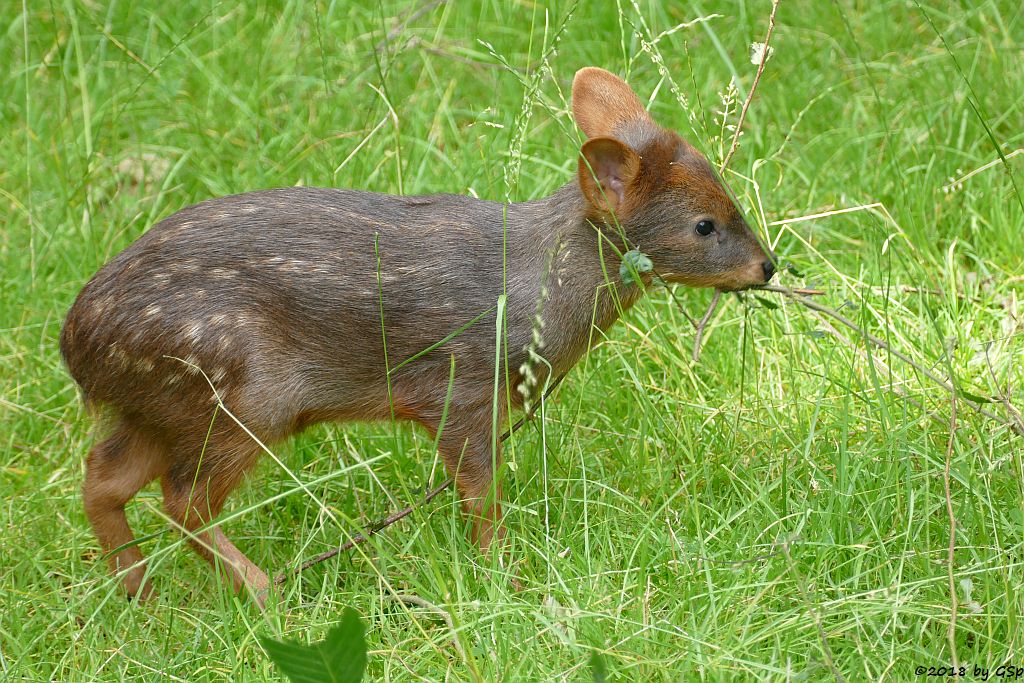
point(282, 300)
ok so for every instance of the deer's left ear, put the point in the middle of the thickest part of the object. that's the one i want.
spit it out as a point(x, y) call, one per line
point(602, 102)
point(607, 168)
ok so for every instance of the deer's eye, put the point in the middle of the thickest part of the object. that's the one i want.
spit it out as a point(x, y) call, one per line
point(705, 228)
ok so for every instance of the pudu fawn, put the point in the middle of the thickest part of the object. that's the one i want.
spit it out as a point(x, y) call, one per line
point(273, 302)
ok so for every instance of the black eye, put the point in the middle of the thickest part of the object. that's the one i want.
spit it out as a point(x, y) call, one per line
point(705, 228)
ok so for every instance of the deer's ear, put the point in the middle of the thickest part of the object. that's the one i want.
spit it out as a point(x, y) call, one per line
point(601, 101)
point(607, 167)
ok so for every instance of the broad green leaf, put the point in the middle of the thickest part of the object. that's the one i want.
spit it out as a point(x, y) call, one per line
point(338, 658)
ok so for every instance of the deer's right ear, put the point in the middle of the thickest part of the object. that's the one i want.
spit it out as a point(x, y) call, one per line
point(601, 102)
point(607, 167)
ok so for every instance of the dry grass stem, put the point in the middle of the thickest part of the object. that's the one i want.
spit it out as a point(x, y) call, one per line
point(765, 53)
point(417, 601)
point(699, 336)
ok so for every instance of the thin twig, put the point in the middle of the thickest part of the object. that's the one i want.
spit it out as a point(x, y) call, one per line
point(825, 649)
point(679, 304)
point(725, 162)
point(703, 322)
point(699, 335)
point(402, 23)
point(892, 386)
point(951, 631)
point(360, 538)
point(415, 42)
point(1013, 413)
point(803, 291)
point(907, 289)
point(381, 524)
point(753, 87)
point(875, 341)
point(426, 604)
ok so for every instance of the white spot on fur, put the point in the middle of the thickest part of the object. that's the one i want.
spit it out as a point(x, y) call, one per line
point(151, 310)
point(101, 305)
point(294, 266)
point(191, 364)
point(223, 273)
point(118, 355)
point(194, 331)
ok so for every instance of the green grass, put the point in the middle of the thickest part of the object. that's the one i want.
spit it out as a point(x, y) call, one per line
point(770, 512)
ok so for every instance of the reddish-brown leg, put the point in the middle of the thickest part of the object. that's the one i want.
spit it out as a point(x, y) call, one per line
point(481, 495)
point(192, 504)
point(115, 471)
point(467, 456)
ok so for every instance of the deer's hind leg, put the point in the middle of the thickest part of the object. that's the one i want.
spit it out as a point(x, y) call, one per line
point(116, 469)
point(195, 494)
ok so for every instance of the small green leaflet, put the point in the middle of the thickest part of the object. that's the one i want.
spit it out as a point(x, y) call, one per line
point(792, 270)
point(634, 261)
point(338, 658)
point(767, 303)
point(973, 397)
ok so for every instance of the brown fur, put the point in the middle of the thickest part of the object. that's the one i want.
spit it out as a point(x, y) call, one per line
point(276, 299)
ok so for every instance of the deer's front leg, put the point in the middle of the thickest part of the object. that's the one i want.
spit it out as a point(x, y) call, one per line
point(469, 458)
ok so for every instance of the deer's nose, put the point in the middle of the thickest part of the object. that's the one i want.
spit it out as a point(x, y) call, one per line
point(769, 269)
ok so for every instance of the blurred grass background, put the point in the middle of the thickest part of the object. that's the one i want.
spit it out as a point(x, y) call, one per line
point(775, 511)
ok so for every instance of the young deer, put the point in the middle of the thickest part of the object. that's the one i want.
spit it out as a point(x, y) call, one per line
point(277, 300)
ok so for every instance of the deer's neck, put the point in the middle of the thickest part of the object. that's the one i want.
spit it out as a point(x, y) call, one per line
point(567, 277)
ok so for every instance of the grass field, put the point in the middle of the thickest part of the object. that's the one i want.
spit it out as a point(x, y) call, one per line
point(775, 511)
